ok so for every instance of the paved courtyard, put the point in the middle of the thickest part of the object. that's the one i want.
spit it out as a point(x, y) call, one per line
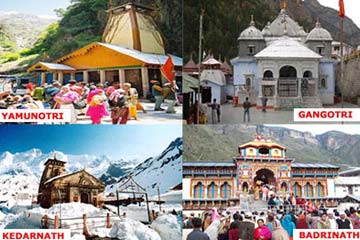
point(233, 115)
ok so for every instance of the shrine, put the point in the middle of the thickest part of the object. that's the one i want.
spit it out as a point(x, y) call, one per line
point(260, 162)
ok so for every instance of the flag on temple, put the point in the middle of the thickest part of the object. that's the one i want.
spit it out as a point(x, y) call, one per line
point(167, 70)
point(341, 8)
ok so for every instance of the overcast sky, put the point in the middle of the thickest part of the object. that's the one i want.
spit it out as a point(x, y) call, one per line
point(352, 8)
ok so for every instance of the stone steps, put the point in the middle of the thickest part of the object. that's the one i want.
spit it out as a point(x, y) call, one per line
point(311, 102)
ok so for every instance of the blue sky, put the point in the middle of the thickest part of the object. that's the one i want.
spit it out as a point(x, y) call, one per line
point(114, 141)
point(36, 7)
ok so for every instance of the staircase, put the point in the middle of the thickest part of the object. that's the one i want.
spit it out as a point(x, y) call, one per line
point(311, 102)
point(288, 104)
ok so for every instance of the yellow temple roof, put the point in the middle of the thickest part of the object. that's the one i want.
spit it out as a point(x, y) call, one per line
point(261, 142)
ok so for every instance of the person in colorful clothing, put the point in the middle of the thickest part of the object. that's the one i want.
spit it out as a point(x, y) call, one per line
point(65, 99)
point(262, 232)
point(97, 106)
point(119, 107)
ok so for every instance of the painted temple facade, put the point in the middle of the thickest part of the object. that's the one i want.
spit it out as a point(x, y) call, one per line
point(132, 50)
point(260, 161)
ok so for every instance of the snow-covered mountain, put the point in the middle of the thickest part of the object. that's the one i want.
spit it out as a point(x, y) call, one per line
point(163, 171)
point(21, 172)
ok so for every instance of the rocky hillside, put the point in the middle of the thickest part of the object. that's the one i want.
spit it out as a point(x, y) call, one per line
point(19, 31)
point(307, 11)
point(332, 147)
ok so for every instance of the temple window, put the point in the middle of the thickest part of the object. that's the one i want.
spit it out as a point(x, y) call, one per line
point(320, 50)
point(198, 190)
point(323, 83)
point(264, 151)
point(251, 50)
point(268, 75)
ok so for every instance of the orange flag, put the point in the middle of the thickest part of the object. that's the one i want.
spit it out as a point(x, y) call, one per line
point(341, 8)
point(168, 70)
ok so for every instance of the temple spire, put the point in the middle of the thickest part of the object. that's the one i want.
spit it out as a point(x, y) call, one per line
point(284, 5)
point(252, 22)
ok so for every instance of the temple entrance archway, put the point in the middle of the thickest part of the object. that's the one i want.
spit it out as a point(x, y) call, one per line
point(264, 176)
point(288, 84)
point(84, 197)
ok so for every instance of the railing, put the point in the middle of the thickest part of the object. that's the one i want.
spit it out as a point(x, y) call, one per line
point(79, 225)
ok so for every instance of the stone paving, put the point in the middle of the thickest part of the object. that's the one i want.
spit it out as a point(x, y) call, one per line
point(234, 115)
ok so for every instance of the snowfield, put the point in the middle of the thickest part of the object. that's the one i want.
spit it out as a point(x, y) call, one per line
point(132, 230)
point(167, 226)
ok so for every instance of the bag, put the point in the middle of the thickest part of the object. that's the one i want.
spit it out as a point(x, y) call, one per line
point(79, 104)
point(119, 103)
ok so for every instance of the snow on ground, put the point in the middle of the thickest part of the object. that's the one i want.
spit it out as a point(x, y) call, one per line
point(139, 213)
point(78, 237)
point(167, 226)
point(133, 230)
point(75, 210)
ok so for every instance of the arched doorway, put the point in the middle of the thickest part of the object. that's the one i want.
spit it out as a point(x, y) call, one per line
point(264, 176)
point(225, 190)
point(84, 198)
point(245, 187)
point(297, 190)
point(283, 187)
point(309, 190)
point(320, 190)
point(305, 86)
point(288, 84)
point(198, 190)
point(212, 190)
point(268, 75)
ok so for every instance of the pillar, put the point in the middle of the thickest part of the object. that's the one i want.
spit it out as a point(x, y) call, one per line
point(206, 192)
point(86, 76)
point(43, 77)
point(55, 76)
point(145, 80)
point(61, 77)
point(218, 191)
point(299, 87)
point(72, 76)
point(122, 78)
point(102, 76)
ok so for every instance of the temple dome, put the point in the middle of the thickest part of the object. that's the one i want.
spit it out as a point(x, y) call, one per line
point(251, 33)
point(266, 31)
point(319, 34)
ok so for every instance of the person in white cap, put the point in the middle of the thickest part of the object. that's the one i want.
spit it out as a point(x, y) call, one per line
point(343, 222)
point(247, 227)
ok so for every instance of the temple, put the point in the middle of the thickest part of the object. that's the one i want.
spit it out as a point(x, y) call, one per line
point(58, 186)
point(289, 66)
point(132, 50)
point(224, 184)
